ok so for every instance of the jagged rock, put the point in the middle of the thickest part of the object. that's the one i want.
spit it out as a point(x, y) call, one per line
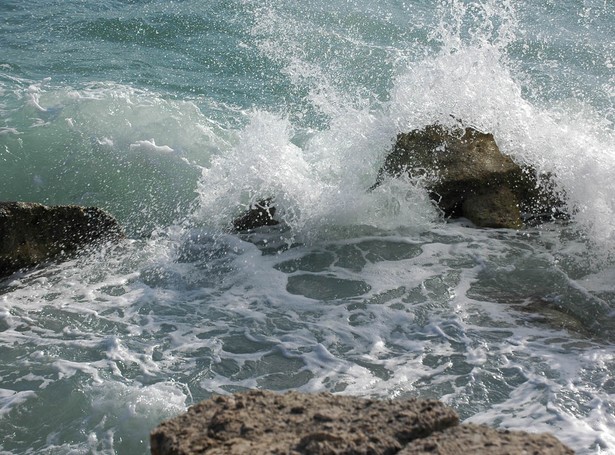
point(469, 176)
point(261, 422)
point(480, 439)
point(31, 234)
point(260, 214)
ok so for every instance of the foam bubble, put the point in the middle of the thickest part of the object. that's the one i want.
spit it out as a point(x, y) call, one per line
point(10, 399)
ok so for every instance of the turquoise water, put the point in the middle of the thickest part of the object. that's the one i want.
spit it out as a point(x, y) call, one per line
point(176, 115)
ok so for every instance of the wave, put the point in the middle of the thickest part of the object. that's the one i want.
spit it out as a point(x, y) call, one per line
point(319, 174)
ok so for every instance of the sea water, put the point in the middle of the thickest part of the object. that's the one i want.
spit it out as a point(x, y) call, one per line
point(175, 116)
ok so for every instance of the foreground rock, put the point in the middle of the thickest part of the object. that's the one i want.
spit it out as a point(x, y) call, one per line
point(468, 176)
point(31, 234)
point(262, 422)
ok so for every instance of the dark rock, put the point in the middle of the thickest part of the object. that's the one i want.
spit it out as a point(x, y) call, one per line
point(260, 214)
point(469, 176)
point(499, 208)
point(259, 422)
point(480, 439)
point(31, 234)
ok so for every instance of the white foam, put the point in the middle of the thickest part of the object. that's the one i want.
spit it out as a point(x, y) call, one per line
point(324, 182)
point(108, 142)
point(5, 130)
point(124, 414)
point(10, 399)
point(150, 146)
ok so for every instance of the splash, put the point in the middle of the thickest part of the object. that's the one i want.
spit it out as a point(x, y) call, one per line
point(466, 72)
point(474, 79)
point(321, 184)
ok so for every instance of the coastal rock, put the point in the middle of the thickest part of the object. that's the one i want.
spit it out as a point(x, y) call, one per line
point(263, 422)
point(468, 176)
point(31, 234)
point(266, 422)
point(481, 439)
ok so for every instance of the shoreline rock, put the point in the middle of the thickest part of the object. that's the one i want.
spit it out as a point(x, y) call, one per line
point(32, 234)
point(264, 422)
point(469, 177)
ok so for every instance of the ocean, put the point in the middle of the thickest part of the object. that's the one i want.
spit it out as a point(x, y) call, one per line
point(176, 115)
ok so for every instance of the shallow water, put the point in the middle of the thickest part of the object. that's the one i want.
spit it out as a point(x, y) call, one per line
point(175, 116)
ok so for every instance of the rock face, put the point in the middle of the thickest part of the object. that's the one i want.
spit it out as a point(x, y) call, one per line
point(469, 176)
point(31, 234)
point(261, 422)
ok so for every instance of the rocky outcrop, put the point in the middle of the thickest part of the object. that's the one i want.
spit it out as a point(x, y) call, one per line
point(468, 176)
point(262, 422)
point(31, 234)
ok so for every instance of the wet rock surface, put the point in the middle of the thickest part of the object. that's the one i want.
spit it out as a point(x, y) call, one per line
point(31, 234)
point(468, 176)
point(263, 422)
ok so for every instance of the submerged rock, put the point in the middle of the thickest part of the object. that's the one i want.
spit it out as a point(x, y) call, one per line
point(31, 234)
point(263, 422)
point(259, 214)
point(468, 176)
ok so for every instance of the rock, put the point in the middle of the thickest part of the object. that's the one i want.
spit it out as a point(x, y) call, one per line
point(497, 209)
point(31, 234)
point(469, 176)
point(262, 422)
point(260, 214)
point(259, 422)
point(480, 439)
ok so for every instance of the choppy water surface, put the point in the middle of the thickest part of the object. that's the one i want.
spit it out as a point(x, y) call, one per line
point(175, 116)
